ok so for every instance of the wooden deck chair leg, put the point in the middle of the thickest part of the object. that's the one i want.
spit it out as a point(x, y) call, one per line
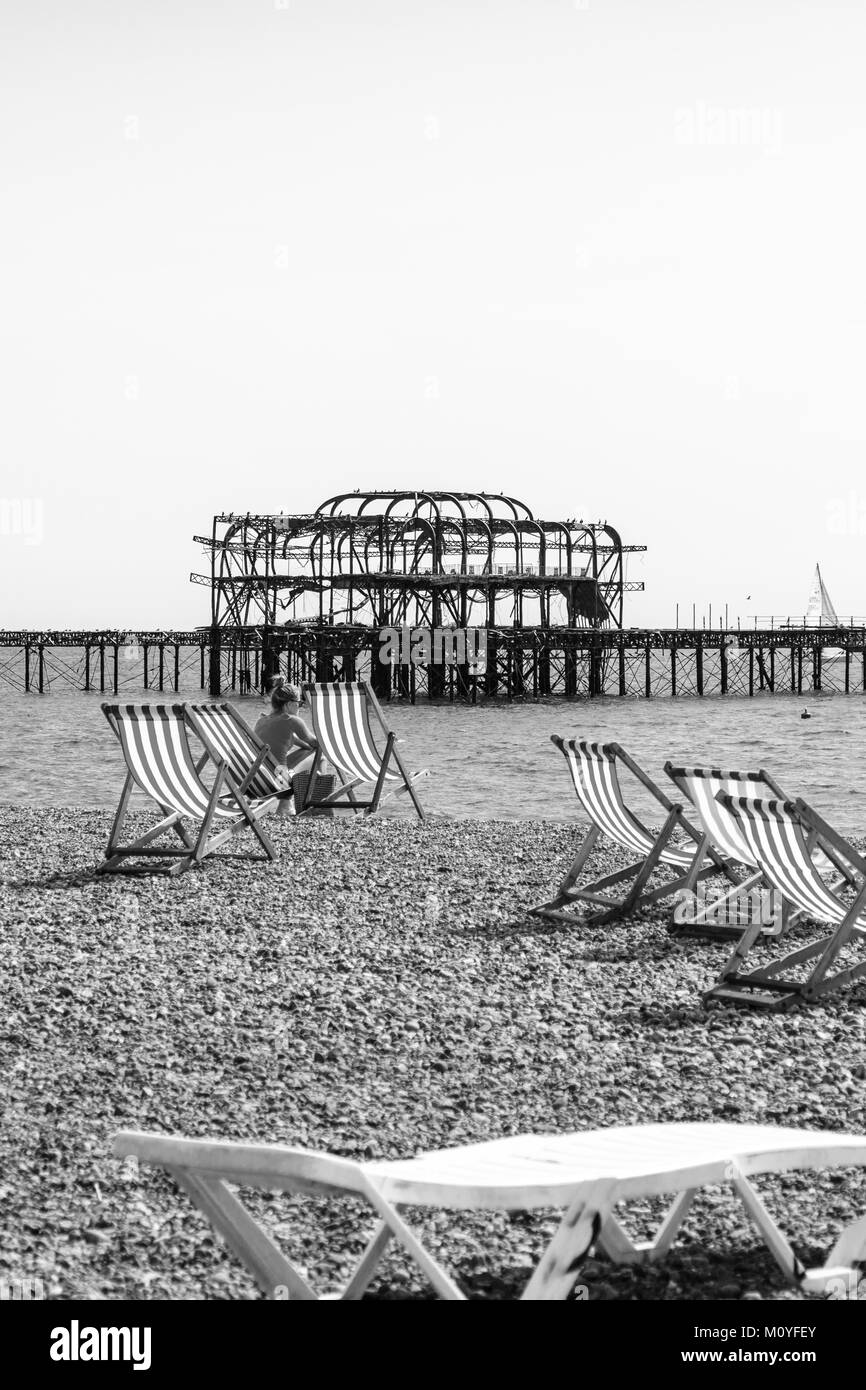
point(556, 1273)
point(619, 1246)
point(691, 877)
point(311, 780)
point(409, 783)
point(120, 815)
point(201, 844)
point(839, 938)
point(244, 1236)
point(587, 845)
point(253, 818)
point(839, 980)
point(590, 840)
point(380, 780)
point(646, 869)
point(171, 822)
point(731, 968)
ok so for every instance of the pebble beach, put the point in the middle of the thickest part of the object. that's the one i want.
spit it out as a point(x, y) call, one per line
point(378, 991)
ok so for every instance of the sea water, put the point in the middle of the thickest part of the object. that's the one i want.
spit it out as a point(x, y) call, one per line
point(495, 760)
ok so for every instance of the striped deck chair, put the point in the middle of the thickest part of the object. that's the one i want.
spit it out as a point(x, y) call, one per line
point(781, 836)
point(341, 724)
point(594, 776)
point(155, 744)
point(701, 786)
point(586, 1174)
point(248, 760)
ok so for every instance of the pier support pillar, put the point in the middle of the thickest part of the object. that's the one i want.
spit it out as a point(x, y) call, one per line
point(214, 670)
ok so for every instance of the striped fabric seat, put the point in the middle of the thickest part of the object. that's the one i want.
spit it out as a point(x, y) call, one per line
point(234, 742)
point(594, 774)
point(340, 715)
point(341, 724)
point(780, 836)
point(596, 782)
point(701, 786)
point(586, 1174)
point(156, 749)
point(775, 836)
point(154, 740)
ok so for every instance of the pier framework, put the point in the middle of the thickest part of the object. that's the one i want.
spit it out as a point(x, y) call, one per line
point(320, 587)
point(528, 663)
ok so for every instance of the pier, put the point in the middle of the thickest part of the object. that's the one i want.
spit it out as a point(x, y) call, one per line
point(524, 663)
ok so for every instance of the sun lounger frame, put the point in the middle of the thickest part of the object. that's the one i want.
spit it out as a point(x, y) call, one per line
point(575, 1173)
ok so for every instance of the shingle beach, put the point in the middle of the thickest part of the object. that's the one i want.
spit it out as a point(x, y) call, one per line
point(378, 991)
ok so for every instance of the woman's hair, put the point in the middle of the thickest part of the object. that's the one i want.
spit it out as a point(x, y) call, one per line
point(284, 694)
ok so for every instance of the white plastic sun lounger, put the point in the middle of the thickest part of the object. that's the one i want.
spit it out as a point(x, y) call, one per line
point(584, 1174)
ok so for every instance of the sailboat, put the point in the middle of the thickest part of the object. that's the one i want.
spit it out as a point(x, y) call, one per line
point(821, 613)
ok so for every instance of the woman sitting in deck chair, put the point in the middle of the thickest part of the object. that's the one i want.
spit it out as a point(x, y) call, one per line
point(286, 734)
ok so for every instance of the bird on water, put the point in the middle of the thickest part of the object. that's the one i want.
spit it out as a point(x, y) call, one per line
point(805, 714)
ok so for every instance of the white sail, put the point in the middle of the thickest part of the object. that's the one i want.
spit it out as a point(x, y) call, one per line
point(820, 611)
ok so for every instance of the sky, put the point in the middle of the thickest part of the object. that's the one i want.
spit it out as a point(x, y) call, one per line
point(601, 255)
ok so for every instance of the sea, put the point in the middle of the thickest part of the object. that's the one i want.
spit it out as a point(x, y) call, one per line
point(493, 761)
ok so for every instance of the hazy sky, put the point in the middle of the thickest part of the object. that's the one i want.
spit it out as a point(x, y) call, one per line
point(604, 255)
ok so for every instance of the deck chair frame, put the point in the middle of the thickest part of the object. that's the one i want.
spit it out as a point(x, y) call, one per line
point(724, 837)
point(345, 795)
point(768, 986)
point(588, 1190)
point(689, 867)
point(225, 800)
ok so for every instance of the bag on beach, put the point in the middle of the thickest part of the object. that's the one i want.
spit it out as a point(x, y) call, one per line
point(325, 782)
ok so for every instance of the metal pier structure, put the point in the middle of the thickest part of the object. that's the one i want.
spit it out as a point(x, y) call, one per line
point(526, 663)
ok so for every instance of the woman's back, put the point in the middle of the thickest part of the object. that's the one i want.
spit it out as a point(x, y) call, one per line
point(276, 730)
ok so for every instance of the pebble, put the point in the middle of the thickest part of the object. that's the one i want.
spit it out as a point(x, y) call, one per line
point(328, 1001)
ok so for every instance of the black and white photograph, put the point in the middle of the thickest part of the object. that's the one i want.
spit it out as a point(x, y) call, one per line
point(433, 667)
